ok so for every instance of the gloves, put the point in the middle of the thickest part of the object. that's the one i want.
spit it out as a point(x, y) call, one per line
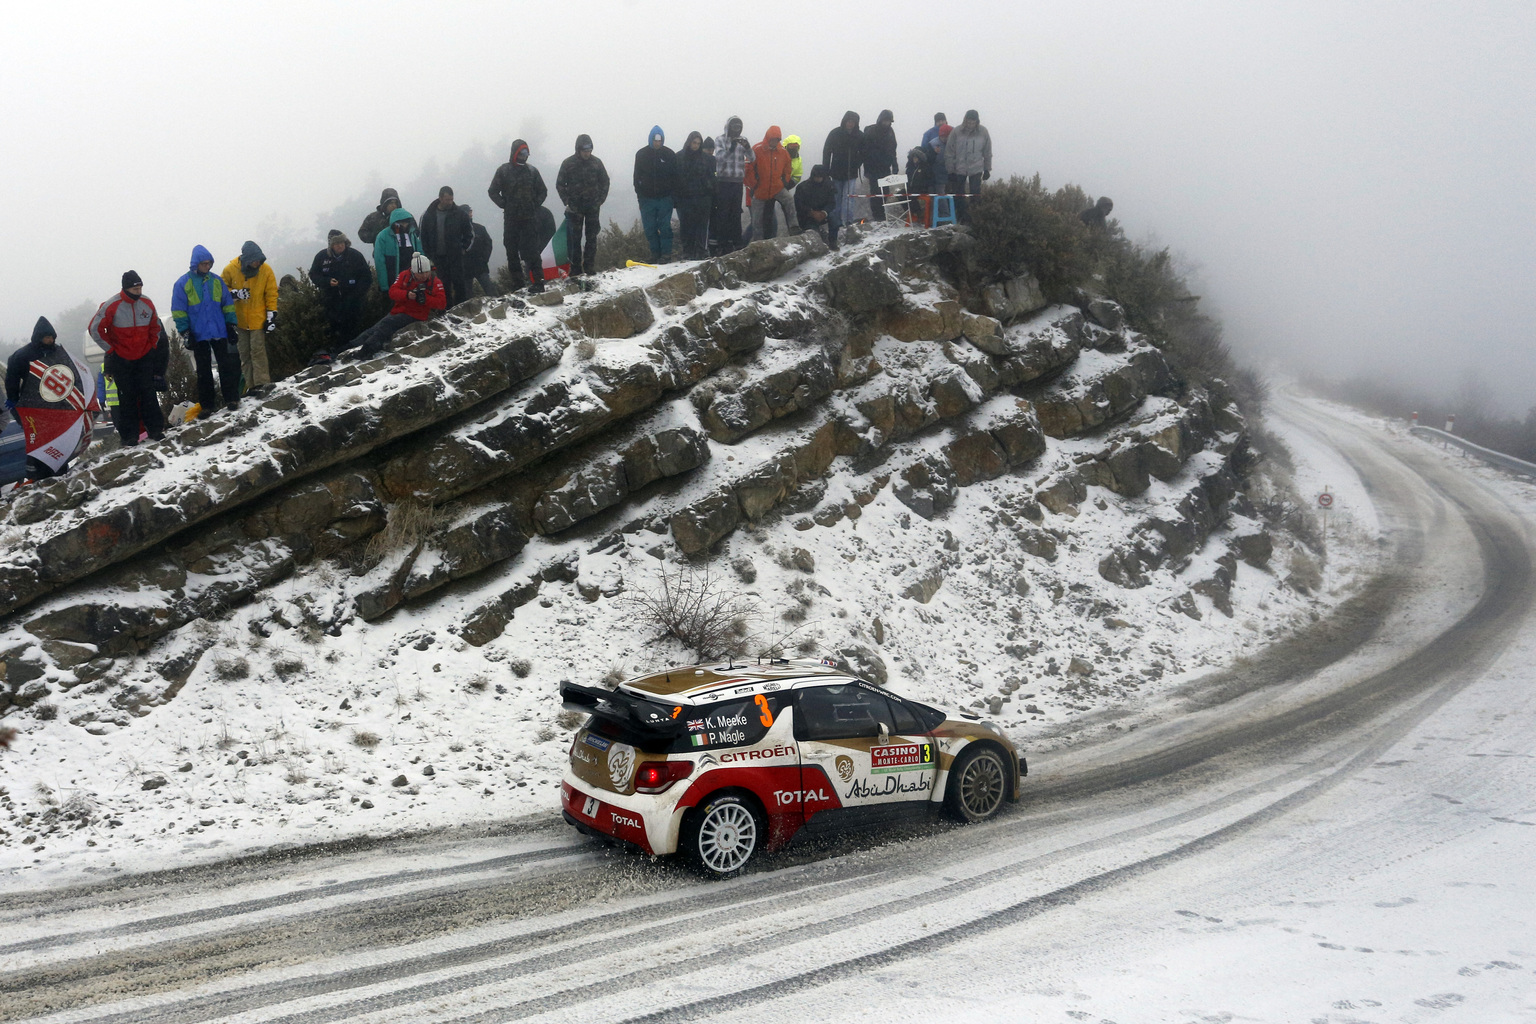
point(271, 321)
point(160, 384)
point(986, 175)
point(230, 335)
point(10, 406)
point(240, 293)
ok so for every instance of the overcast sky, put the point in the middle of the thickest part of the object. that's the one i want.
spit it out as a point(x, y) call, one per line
point(1354, 181)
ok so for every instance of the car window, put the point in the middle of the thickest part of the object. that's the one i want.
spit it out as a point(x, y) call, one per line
point(907, 722)
point(840, 712)
point(736, 723)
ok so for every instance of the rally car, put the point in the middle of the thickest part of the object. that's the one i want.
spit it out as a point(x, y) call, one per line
point(718, 762)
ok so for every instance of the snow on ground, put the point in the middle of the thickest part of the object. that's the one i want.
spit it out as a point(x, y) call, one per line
point(298, 737)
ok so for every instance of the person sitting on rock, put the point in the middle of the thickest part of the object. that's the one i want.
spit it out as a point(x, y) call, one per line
point(416, 293)
point(816, 205)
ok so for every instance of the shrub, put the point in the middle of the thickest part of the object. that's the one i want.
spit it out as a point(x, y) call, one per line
point(1020, 227)
point(301, 323)
point(695, 608)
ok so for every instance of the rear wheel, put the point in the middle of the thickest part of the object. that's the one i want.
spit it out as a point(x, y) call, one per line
point(721, 835)
point(978, 781)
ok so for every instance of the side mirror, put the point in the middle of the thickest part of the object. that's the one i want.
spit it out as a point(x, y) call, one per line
point(885, 734)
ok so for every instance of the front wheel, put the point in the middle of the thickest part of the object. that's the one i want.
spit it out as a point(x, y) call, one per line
point(721, 835)
point(978, 781)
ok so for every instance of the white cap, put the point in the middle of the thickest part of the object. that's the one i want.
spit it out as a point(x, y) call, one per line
point(420, 264)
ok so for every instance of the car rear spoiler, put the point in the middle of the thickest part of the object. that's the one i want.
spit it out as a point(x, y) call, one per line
point(634, 713)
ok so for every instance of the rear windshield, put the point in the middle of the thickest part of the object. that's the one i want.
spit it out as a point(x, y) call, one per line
point(738, 723)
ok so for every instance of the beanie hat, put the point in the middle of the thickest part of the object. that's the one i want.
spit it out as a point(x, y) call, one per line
point(334, 235)
point(420, 264)
point(131, 279)
point(945, 129)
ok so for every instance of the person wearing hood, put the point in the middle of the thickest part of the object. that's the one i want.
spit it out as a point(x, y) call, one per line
point(43, 391)
point(204, 312)
point(879, 158)
point(518, 191)
point(695, 195)
point(582, 185)
point(816, 204)
point(254, 287)
point(378, 220)
point(732, 154)
point(968, 161)
point(415, 295)
point(477, 265)
point(342, 275)
point(446, 235)
point(919, 184)
point(394, 247)
point(127, 327)
point(1096, 217)
point(792, 146)
point(769, 178)
point(842, 155)
point(655, 181)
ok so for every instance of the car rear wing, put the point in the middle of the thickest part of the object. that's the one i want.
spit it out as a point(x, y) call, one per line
point(633, 713)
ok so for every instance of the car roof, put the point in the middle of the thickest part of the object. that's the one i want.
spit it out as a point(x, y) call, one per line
point(701, 684)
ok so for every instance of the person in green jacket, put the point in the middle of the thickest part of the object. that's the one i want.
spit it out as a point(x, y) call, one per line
point(393, 249)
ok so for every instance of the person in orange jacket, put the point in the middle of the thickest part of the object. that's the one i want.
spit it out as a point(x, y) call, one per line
point(769, 177)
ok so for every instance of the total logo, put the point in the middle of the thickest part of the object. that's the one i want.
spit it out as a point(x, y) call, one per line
point(789, 797)
point(625, 820)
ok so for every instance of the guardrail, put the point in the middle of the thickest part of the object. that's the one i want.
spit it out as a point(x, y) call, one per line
point(1488, 455)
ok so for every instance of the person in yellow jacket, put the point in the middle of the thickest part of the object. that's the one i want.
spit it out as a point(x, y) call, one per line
point(254, 289)
point(796, 169)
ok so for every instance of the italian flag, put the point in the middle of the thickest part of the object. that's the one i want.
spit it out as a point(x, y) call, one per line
point(557, 263)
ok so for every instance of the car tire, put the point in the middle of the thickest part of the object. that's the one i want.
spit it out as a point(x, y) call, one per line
point(978, 783)
point(721, 835)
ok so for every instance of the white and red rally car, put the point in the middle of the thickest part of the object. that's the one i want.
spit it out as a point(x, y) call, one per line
point(719, 762)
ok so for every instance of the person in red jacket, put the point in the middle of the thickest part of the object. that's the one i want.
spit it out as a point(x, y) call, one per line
point(768, 178)
point(128, 328)
point(417, 293)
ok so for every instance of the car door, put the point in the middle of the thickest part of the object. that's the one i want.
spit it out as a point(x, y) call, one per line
point(859, 761)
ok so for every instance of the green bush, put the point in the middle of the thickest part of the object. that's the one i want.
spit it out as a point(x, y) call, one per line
point(615, 246)
point(1021, 228)
point(301, 323)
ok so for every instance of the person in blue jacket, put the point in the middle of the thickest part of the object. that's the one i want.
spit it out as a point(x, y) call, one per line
point(204, 311)
point(393, 249)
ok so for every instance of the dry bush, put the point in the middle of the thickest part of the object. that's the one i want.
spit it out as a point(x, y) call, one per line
point(366, 740)
point(409, 524)
point(478, 682)
point(520, 667)
point(697, 609)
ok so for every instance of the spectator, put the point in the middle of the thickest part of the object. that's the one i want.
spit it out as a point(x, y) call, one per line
point(446, 235)
point(518, 191)
point(477, 267)
point(796, 168)
point(582, 185)
point(51, 395)
point(1096, 217)
point(879, 159)
point(416, 294)
point(254, 288)
point(816, 205)
point(768, 178)
point(655, 181)
point(842, 155)
point(933, 149)
point(732, 154)
point(968, 160)
point(394, 247)
point(919, 183)
point(378, 220)
point(342, 275)
point(204, 312)
point(695, 195)
point(128, 328)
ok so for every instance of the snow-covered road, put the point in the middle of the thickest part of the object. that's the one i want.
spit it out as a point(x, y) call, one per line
point(1341, 830)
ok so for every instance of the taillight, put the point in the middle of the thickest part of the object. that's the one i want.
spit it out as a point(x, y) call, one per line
point(656, 776)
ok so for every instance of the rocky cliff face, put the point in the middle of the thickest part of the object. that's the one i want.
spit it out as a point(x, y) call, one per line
point(662, 413)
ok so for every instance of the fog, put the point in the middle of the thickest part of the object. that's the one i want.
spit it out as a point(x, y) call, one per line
point(1352, 183)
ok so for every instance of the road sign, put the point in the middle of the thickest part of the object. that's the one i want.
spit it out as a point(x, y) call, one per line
point(1325, 500)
